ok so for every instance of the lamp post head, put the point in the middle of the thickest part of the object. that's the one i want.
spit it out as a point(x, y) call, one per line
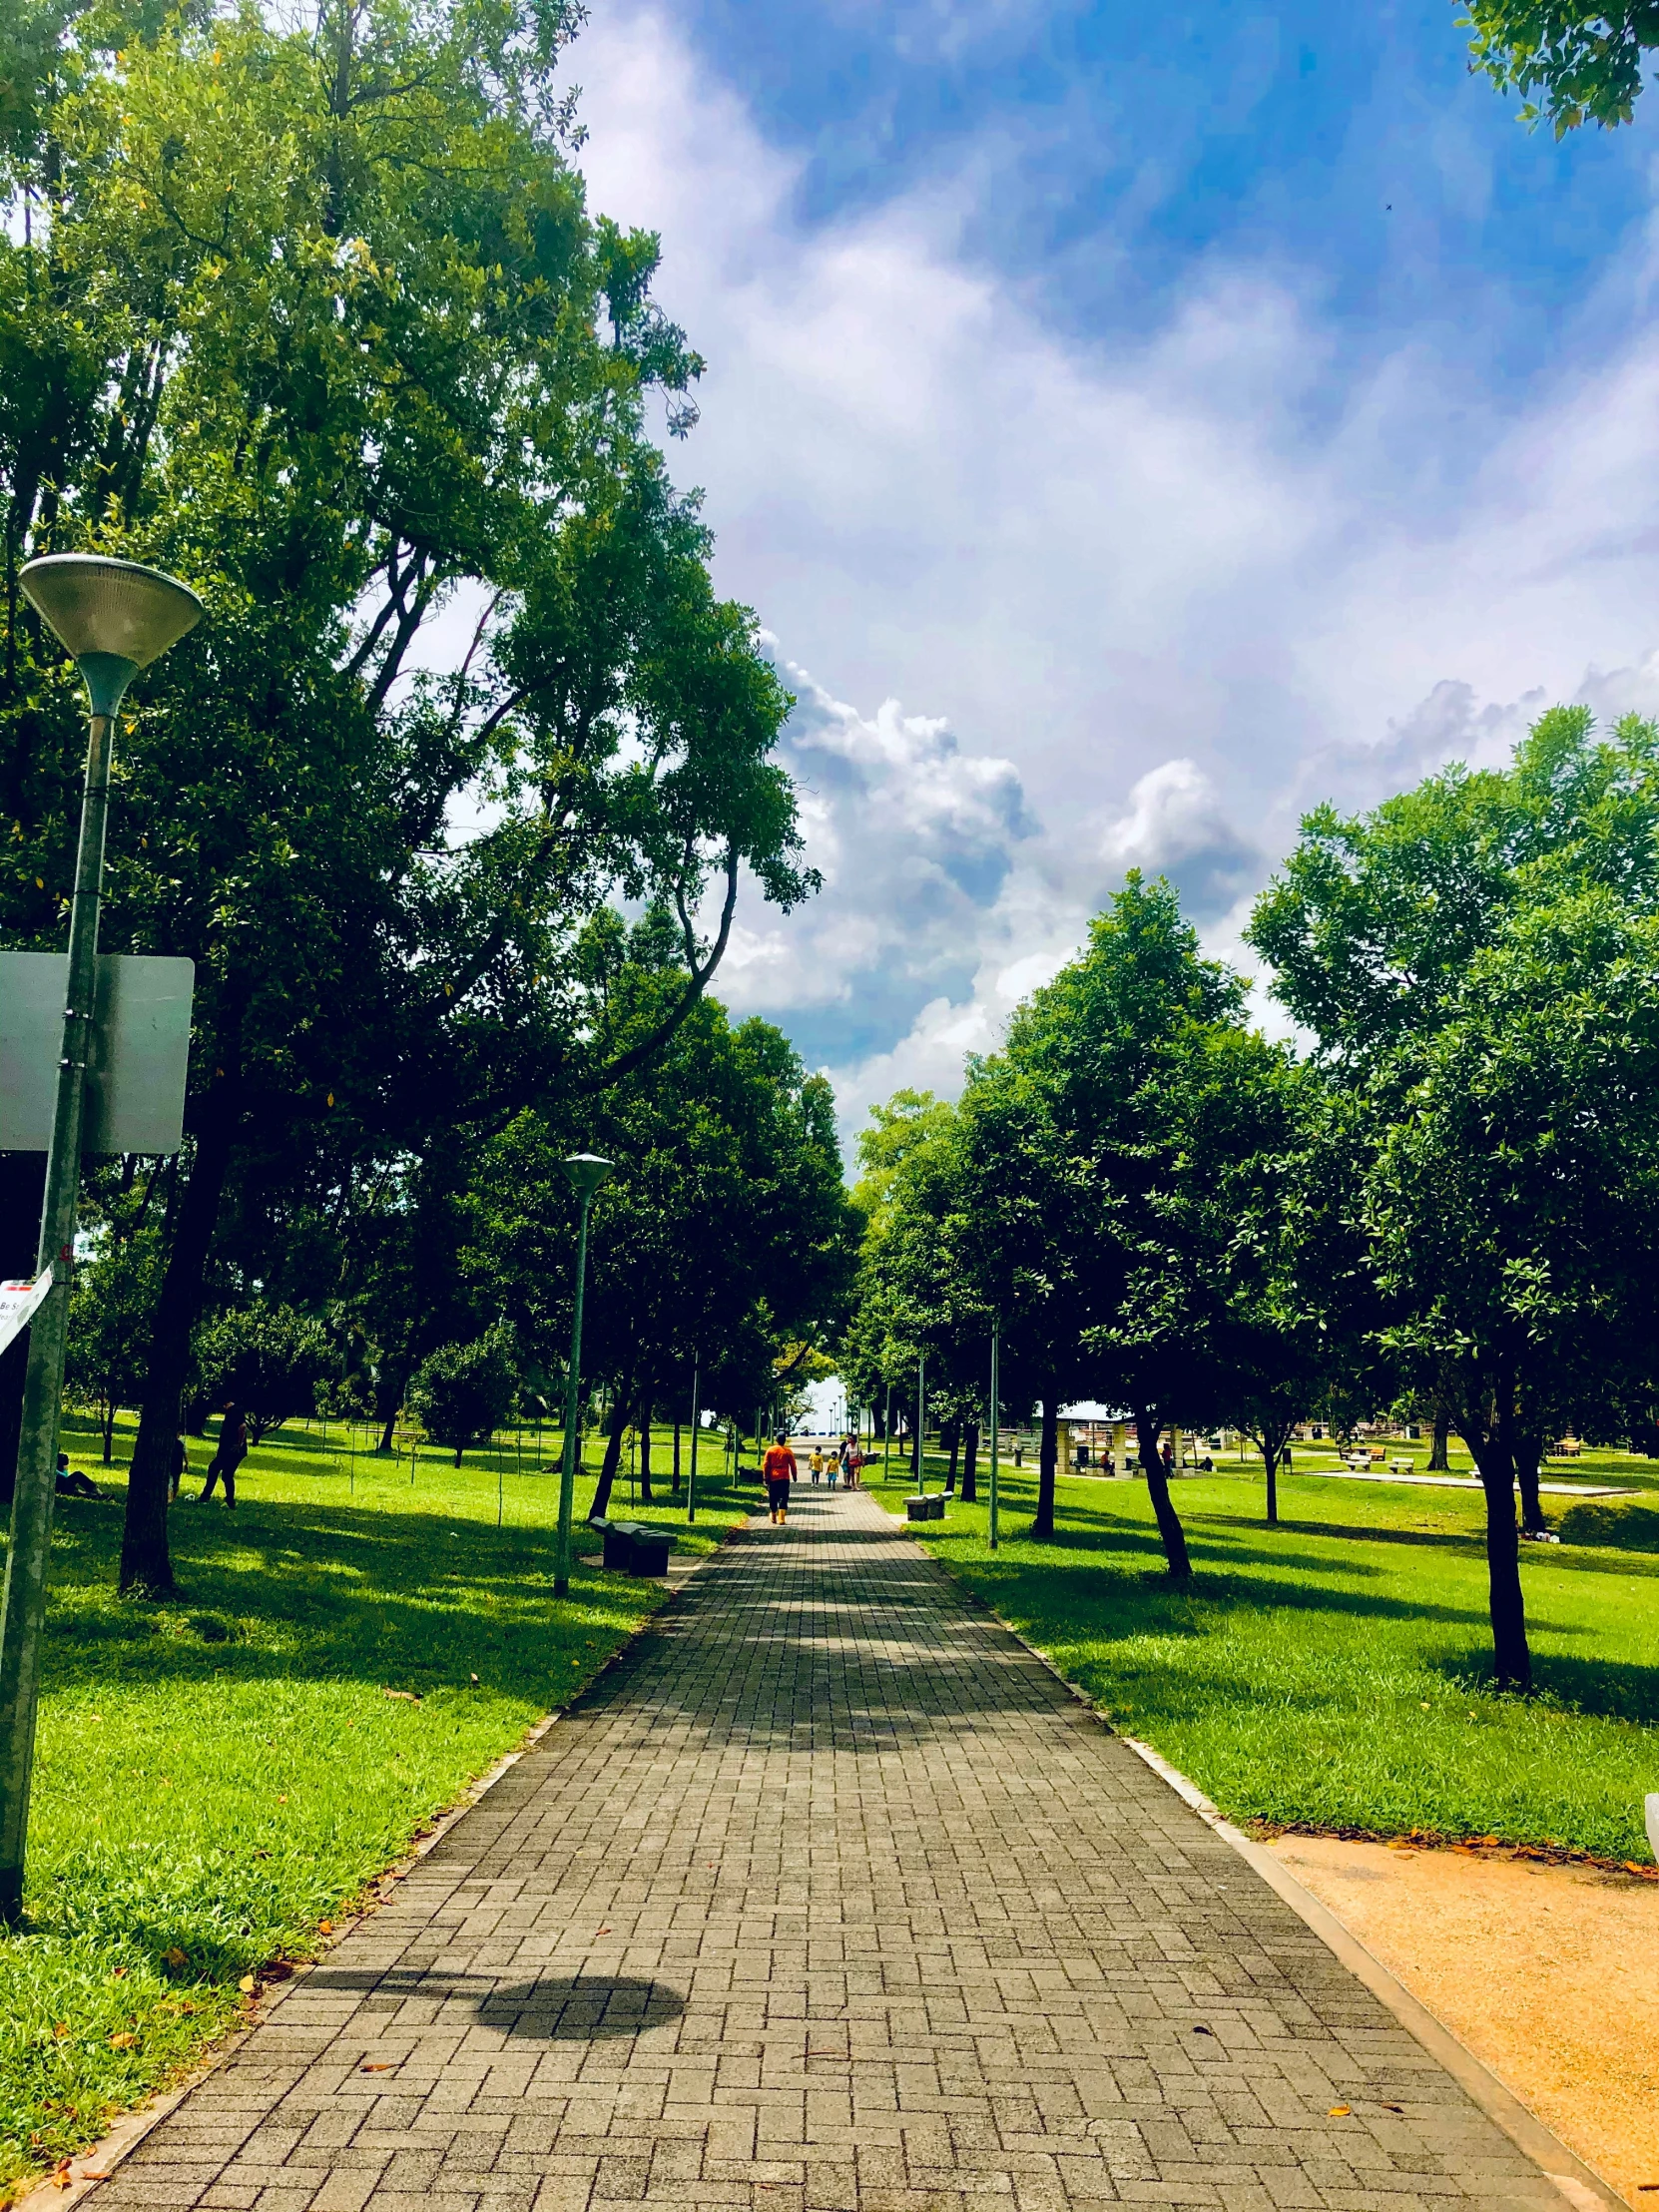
point(115, 617)
point(587, 1171)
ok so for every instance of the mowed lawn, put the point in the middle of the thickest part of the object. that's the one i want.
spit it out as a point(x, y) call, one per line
point(217, 1777)
point(1333, 1673)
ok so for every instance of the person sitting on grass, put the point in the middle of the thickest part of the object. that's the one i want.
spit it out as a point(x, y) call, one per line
point(72, 1483)
point(777, 1470)
point(231, 1452)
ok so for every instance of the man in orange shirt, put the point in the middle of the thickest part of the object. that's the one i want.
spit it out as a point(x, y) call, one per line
point(777, 1469)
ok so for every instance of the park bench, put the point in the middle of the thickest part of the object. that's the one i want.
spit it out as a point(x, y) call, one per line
point(1400, 1464)
point(927, 1505)
point(633, 1549)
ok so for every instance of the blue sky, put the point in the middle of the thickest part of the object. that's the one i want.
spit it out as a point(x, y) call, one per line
point(1130, 425)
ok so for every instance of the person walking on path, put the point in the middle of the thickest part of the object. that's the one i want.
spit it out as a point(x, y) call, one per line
point(779, 1470)
point(854, 1466)
point(231, 1451)
point(816, 1462)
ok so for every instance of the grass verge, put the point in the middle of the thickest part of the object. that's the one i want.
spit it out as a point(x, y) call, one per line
point(216, 1779)
point(1333, 1673)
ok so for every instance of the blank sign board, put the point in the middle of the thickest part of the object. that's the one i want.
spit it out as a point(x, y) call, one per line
point(140, 1055)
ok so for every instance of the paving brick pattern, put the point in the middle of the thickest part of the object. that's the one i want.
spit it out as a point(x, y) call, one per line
point(828, 1899)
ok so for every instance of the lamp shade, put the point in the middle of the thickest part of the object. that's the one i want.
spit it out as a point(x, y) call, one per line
point(93, 604)
point(587, 1171)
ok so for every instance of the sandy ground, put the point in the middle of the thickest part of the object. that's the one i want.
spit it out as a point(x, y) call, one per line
point(1549, 1974)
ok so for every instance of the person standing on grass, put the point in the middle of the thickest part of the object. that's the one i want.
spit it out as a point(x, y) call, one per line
point(779, 1470)
point(232, 1450)
point(180, 1466)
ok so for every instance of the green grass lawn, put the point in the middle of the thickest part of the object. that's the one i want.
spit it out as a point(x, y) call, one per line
point(1333, 1673)
point(217, 1777)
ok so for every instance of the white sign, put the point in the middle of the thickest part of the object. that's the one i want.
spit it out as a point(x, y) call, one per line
point(17, 1301)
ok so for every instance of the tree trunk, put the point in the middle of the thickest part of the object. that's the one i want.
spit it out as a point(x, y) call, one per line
point(1512, 1660)
point(645, 1454)
point(1147, 1427)
point(613, 1456)
point(970, 1458)
point(146, 1564)
point(22, 1189)
point(1271, 1456)
point(1528, 1451)
point(1438, 1461)
point(1047, 1457)
point(954, 1435)
point(108, 1434)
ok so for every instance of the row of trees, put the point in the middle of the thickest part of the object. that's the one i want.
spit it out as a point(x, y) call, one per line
point(314, 312)
point(1445, 1201)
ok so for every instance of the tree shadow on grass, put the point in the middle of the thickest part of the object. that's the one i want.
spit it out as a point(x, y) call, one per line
point(308, 1591)
point(1606, 1688)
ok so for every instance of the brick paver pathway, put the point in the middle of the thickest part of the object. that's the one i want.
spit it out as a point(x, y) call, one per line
point(828, 1899)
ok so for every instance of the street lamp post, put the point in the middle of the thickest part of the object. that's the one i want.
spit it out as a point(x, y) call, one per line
point(921, 1420)
point(114, 616)
point(585, 1171)
point(996, 1415)
point(697, 1422)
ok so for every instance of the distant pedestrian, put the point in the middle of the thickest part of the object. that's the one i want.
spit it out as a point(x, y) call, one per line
point(816, 1462)
point(1166, 1457)
point(229, 1452)
point(180, 1464)
point(777, 1469)
point(854, 1466)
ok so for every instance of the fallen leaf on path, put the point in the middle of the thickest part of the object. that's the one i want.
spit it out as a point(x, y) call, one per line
point(1203, 2032)
point(247, 1984)
point(328, 1927)
point(61, 2176)
point(1338, 2112)
point(378, 2066)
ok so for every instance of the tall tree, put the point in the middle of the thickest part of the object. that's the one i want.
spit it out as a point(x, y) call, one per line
point(1469, 957)
point(317, 317)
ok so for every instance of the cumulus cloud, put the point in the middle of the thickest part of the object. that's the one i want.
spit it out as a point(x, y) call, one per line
point(1126, 601)
point(1176, 825)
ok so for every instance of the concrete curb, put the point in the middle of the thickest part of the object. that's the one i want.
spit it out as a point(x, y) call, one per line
point(89, 2167)
point(1581, 2186)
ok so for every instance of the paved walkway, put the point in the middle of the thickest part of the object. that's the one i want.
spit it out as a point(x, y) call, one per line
point(828, 1899)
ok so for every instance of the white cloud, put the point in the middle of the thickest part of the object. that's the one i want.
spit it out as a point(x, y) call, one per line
point(1143, 600)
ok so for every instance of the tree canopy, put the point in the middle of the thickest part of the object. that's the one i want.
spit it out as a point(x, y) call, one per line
point(1572, 63)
